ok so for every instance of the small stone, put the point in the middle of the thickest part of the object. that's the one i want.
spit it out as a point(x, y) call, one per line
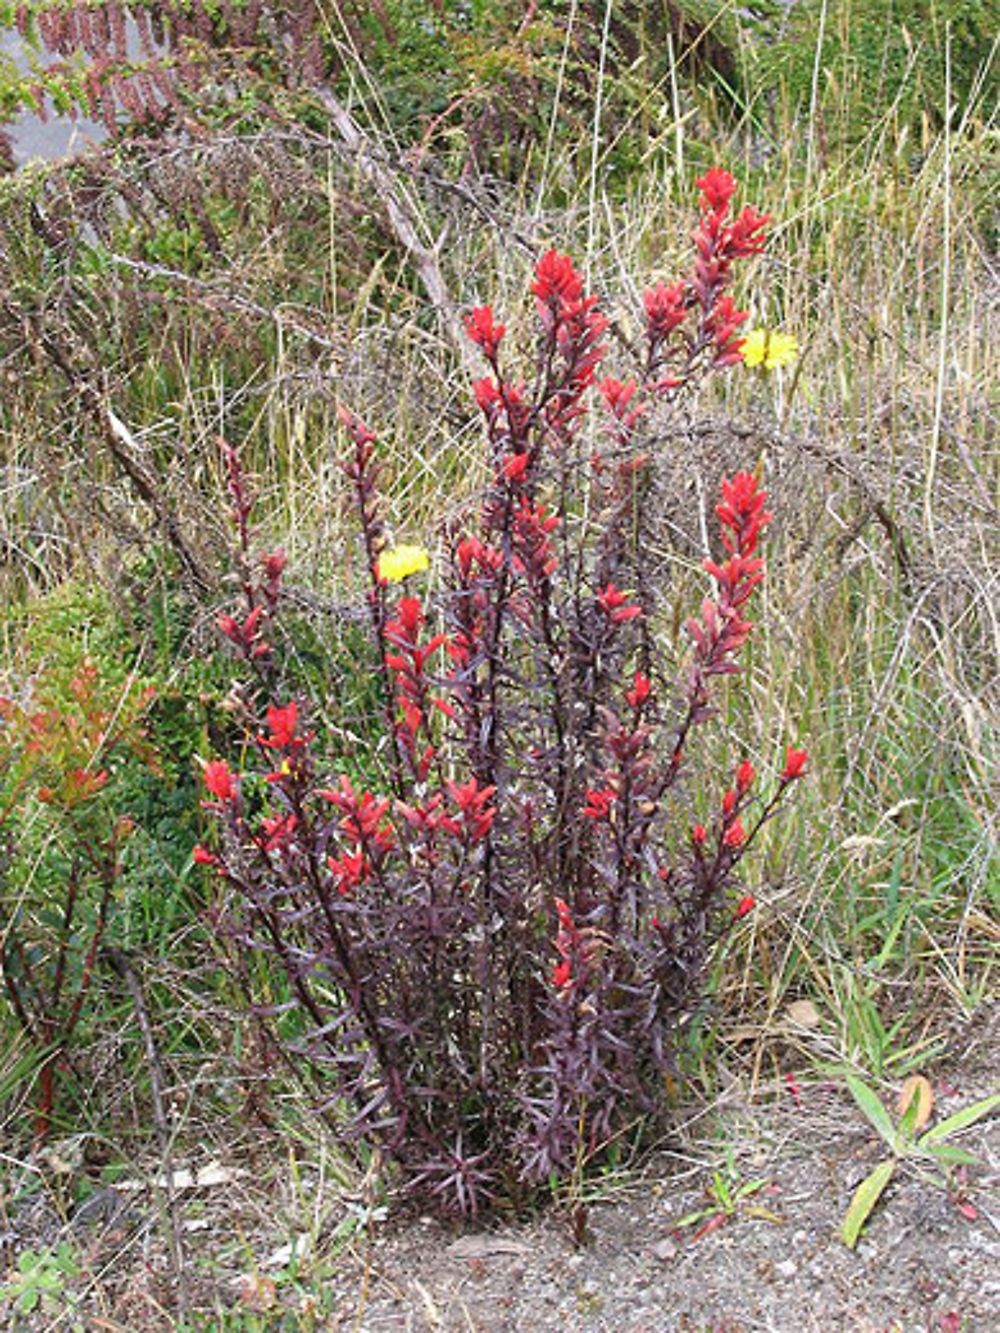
point(665, 1250)
point(786, 1268)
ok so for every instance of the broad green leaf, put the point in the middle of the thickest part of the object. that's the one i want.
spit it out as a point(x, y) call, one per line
point(873, 1110)
point(866, 1196)
point(960, 1120)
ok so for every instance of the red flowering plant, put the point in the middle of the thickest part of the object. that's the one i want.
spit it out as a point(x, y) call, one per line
point(493, 946)
point(62, 838)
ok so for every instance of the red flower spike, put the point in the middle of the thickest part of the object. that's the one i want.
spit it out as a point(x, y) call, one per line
point(563, 913)
point(698, 835)
point(717, 188)
point(219, 780)
point(281, 724)
point(795, 762)
point(274, 564)
point(735, 835)
point(481, 329)
point(202, 856)
point(599, 803)
point(515, 466)
point(613, 601)
point(729, 803)
point(556, 280)
point(640, 691)
point(562, 974)
point(745, 905)
point(745, 775)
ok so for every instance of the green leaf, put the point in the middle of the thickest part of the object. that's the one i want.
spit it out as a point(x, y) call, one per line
point(873, 1110)
point(866, 1196)
point(947, 1152)
point(960, 1120)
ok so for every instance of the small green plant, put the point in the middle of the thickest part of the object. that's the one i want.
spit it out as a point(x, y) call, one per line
point(932, 1146)
point(40, 1278)
point(727, 1199)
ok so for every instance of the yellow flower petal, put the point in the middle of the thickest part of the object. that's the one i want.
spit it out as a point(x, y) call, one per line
point(767, 348)
point(399, 562)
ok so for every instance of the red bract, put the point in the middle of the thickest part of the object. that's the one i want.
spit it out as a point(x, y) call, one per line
point(282, 723)
point(515, 466)
point(745, 905)
point(745, 775)
point(562, 974)
point(203, 857)
point(278, 832)
point(717, 188)
point(219, 780)
point(640, 691)
point(482, 330)
point(795, 762)
point(666, 309)
point(618, 396)
point(599, 803)
point(557, 284)
point(616, 604)
point(742, 512)
point(735, 834)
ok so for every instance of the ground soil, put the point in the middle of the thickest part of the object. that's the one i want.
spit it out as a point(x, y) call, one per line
point(927, 1262)
point(922, 1263)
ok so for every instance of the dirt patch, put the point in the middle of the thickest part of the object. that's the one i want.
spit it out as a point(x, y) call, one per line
point(777, 1264)
point(258, 1236)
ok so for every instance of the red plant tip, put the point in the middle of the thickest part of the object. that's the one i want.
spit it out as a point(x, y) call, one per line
point(355, 427)
point(563, 913)
point(742, 510)
point(281, 723)
point(487, 395)
point(698, 835)
point(640, 691)
point(562, 974)
point(515, 466)
point(745, 905)
point(745, 775)
point(278, 831)
point(599, 803)
point(717, 188)
point(202, 856)
point(665, 308)
point(219, 780)
point(795, 762)
point(274, 564)
point(729, 802)
point(481, 329)
point(735, 835)
point(613, 601)
point(556, 280)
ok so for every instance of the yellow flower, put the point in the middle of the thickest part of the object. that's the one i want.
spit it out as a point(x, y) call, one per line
point(764, 347)
point(399, 562)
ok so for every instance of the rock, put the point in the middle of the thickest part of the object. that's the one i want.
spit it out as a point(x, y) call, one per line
point(664, 1250)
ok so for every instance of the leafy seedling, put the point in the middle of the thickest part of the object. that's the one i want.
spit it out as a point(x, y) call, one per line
point(901, 1137)
point(727, 1200)
point(40, 1274)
